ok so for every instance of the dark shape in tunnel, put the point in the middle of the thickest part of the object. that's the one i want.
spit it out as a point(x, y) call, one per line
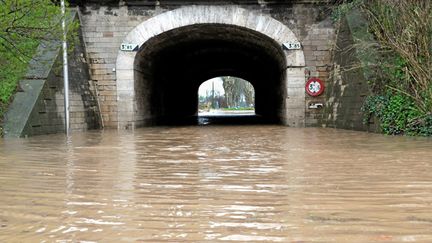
point(170, 67)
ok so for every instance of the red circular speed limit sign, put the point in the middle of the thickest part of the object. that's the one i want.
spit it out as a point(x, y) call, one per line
point(314, 87)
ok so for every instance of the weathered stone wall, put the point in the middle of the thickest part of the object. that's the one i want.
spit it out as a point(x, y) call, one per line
point(315, 30)
point(38, 108)
point(105, 28)
point(348, 86)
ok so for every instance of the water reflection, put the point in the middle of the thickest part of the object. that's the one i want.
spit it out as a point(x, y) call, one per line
point(207, 184)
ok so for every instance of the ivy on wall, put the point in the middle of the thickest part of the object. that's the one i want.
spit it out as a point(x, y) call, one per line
point(401, 81)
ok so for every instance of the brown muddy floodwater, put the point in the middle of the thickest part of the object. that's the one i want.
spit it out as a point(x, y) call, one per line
point(216, 184)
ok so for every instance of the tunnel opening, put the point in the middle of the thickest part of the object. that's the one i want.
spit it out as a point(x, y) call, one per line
point(170, 67)
point(224, 99)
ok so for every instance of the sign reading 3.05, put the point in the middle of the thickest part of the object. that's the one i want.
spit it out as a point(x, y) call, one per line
point(129, 47)
point(292, 45)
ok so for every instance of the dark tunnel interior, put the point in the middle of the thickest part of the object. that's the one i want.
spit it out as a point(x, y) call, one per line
point(169, 68)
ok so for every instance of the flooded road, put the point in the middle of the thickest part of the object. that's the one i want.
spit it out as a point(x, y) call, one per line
point(216, 184)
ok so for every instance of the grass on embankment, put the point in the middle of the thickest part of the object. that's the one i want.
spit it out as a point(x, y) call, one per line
point(12, 69)
point(23, 24)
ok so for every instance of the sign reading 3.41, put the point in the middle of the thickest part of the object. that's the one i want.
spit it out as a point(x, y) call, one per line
point(314, 87)
point(128, 47)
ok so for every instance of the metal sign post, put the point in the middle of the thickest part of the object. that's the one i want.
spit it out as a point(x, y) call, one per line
point(65, 69)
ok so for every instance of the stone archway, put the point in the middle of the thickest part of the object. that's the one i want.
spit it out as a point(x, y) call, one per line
point(261, 32)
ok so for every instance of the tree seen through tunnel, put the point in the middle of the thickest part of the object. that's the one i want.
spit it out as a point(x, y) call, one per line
point(226, 96)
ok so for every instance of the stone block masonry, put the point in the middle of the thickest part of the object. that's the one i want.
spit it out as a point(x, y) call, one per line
point(104, 30)
point(106, 27)
point(316, 32)
point(39, 107)
point(348, 86)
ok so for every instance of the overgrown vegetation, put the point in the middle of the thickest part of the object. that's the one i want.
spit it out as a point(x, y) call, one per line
point(23, 24)
point(401, 87)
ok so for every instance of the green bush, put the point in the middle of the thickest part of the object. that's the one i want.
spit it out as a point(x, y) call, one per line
point(398, 115)
point(421, 126)
point(401, 86)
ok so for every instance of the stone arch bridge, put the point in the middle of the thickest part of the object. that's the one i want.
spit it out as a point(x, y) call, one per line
point(177, 45)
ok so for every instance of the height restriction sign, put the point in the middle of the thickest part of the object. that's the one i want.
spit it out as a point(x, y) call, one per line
point(314, 87)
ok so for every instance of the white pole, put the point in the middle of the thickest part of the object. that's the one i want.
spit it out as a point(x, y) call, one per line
point(65, 69)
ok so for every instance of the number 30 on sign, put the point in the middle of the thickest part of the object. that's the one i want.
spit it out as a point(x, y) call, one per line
point(314, 87)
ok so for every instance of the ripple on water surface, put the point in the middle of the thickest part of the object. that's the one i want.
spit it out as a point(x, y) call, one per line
point(223, 183)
